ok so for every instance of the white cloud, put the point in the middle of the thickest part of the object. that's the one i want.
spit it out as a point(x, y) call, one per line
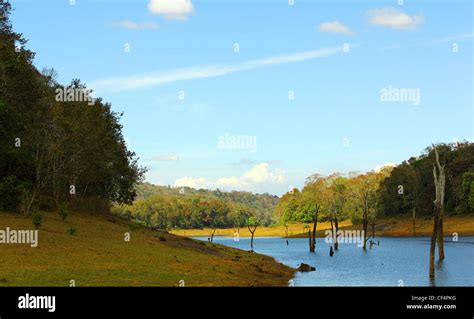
point(393, 18)
point(171, 9)
point(127, 24)
point(166, 158)
point(257, 178)
point(261, 173)
point(192, 182)
point(378, 168)
point(142, 81)
point(335, 27)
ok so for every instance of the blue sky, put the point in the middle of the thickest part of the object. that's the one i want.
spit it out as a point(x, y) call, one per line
point(182, 87)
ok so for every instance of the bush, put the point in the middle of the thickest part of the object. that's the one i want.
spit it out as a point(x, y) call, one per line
point(37, 219)
point(63, 211)
point(72, 231)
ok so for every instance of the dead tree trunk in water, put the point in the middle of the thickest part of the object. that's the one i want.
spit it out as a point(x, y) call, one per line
point(414, 221)
point(332, 230)
point(433, 240)
point(365, 218)
point(336, 227)
point(312, 244)
point(440, 183)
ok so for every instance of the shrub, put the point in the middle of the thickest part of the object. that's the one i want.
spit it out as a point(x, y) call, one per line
point(37, 219)
point(72, 231)
point(63, 211)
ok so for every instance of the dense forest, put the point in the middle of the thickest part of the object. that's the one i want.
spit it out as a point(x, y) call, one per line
point(58, 146)
point(407, 188)
point(168, 207)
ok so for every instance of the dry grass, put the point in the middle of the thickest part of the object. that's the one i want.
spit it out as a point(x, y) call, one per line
point(98, 255)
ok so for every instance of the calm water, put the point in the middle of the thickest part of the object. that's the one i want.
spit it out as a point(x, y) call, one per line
point(395, 260)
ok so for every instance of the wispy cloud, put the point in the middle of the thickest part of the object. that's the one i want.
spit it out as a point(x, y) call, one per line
point(393, 18)
point(171, 9)
point(452, 38)
point(201, 72)
point(457, 37)
point(335, 27)
point(131, 25)
point(165, 158)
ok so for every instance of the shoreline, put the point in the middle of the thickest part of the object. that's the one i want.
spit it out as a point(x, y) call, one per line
point(462, 225)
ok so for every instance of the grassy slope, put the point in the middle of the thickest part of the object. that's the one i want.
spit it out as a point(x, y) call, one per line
point(400, 226)
point(98, 256)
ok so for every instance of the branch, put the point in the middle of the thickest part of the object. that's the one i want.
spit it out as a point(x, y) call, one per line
point(437, 159)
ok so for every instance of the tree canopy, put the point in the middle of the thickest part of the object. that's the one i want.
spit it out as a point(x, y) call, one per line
point(55, 148)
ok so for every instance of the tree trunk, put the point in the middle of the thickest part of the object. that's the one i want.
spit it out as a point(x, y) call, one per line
point(252, 232)
point(365, 221)
point(440, 237)
point(433, 241)
point(373, 230)
point(414, 216)
point(336, 226)
point(311, 249)
point(212, 235)
point(313, 240)
point(332, 232)
point(440, 183)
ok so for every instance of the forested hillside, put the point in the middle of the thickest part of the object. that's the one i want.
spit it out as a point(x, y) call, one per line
point(169, 207)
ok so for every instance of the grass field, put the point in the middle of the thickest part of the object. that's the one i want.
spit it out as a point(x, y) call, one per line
point(98, 255)
point(396, 227)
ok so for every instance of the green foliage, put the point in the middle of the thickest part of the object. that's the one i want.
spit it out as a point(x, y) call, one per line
point(252, 221)
point(184, 208)
point(72, 230)
point(63, 211)
point(37, 219)
point(166, 208)
point(406, 188)
point(416, 177)
point(262, 205)
point(46, 143)
point(467, 192)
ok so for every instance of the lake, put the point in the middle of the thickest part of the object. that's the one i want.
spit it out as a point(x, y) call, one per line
point(397, 261)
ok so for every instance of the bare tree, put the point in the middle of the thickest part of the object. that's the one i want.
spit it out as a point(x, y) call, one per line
point(440, 184)
point(439, 181)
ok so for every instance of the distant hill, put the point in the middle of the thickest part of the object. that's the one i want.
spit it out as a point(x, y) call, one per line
point(263, 204)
